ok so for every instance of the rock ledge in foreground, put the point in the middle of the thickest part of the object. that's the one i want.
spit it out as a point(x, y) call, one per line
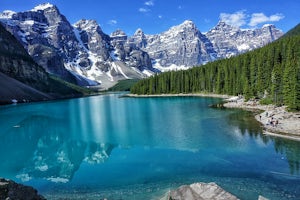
point(12, 190)
point(200, 191)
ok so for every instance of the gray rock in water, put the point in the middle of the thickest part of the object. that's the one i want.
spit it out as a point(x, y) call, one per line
point(11, 190)
point(200, 191)
point(262, 198)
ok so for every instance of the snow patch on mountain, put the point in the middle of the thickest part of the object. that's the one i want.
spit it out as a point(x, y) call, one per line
point(43, 6)
point(243, 47)
point(7, 14)
point(85, 52)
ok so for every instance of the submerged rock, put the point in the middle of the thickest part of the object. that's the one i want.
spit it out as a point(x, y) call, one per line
point(262, 198)
point(12, 190)
point(199, 191)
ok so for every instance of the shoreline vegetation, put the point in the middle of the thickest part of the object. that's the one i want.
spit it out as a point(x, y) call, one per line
point(276, 121)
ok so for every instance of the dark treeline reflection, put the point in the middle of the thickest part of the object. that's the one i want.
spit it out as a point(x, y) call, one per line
point(247, 124)
point(291, 150)
point(287, 148)
point(53, 140)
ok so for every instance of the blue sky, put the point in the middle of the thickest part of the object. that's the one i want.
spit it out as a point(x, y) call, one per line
point(155, 16)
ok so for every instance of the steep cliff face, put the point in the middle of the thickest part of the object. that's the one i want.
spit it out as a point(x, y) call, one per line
point(80, 54)
point(83, 54)
point(31, 29)
point(181, 46)
point(229, 41)
point(16, 63)
point(185, 46)
point(21, 78)
point(129, 52)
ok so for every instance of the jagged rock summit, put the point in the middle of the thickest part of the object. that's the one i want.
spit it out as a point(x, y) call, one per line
point(80, 54)
point(185, 46)
point(179, 47)
point(83, 54)
point(228, 40)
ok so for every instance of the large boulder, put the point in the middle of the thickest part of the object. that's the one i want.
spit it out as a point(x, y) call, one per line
point(200, 191)
point(12, 190)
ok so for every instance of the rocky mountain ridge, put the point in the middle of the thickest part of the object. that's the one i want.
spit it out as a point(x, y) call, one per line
point(229, 41)
point(21, 79)
point(80, 54)
point(181, 46)
point(83, 54)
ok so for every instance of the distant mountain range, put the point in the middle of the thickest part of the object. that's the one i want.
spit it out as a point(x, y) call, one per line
point(83, 54)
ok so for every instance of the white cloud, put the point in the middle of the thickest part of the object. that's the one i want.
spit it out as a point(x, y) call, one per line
point(112, 22)
point(258, 18)
point(241, 18)
point(160, 16)
point(144, 10)
point(235, 19)
point(179, 7)
point(207, 20)
point(149, 3)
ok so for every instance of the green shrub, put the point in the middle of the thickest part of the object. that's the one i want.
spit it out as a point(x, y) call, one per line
point(266, 101)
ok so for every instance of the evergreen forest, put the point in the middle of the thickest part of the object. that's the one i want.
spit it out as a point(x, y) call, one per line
point(271, 73)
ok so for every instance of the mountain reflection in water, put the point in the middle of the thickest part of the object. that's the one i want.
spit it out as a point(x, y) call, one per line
point(104, 142)
point(37, 150)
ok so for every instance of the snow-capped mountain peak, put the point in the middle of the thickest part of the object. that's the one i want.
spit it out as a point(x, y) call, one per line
point(7, 14)
point(267, 25)
point(89, 25)
point(85, 55)
point(118, 33)
point(139, 32)
point(224, 27)
point(80, 54)
point(43, 6)
point(187, 25)
point(229, 40)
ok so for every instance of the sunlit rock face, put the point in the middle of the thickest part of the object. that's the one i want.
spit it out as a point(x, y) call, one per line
point(83, 54)
point(229, 41)
point(182, 45)
point(200, 191)
point(185, 46)
point(79, 53)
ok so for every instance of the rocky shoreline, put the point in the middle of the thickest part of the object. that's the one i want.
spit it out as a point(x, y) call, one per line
point(288, 125)
point(12, 190)
point(276, 121)
point(223, 96)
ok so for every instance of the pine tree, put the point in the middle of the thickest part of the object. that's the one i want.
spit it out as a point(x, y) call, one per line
point(274, 69)
point(276, 84)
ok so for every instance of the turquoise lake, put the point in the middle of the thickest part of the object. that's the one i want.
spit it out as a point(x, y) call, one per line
point(113, 147)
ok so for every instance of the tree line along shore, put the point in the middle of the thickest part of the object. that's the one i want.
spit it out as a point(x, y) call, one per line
point(271, 74)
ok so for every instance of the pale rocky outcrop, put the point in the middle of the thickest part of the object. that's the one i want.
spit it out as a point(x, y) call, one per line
point(199, 191)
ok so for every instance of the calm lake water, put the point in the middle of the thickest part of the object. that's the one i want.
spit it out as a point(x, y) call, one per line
point(140, 148)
